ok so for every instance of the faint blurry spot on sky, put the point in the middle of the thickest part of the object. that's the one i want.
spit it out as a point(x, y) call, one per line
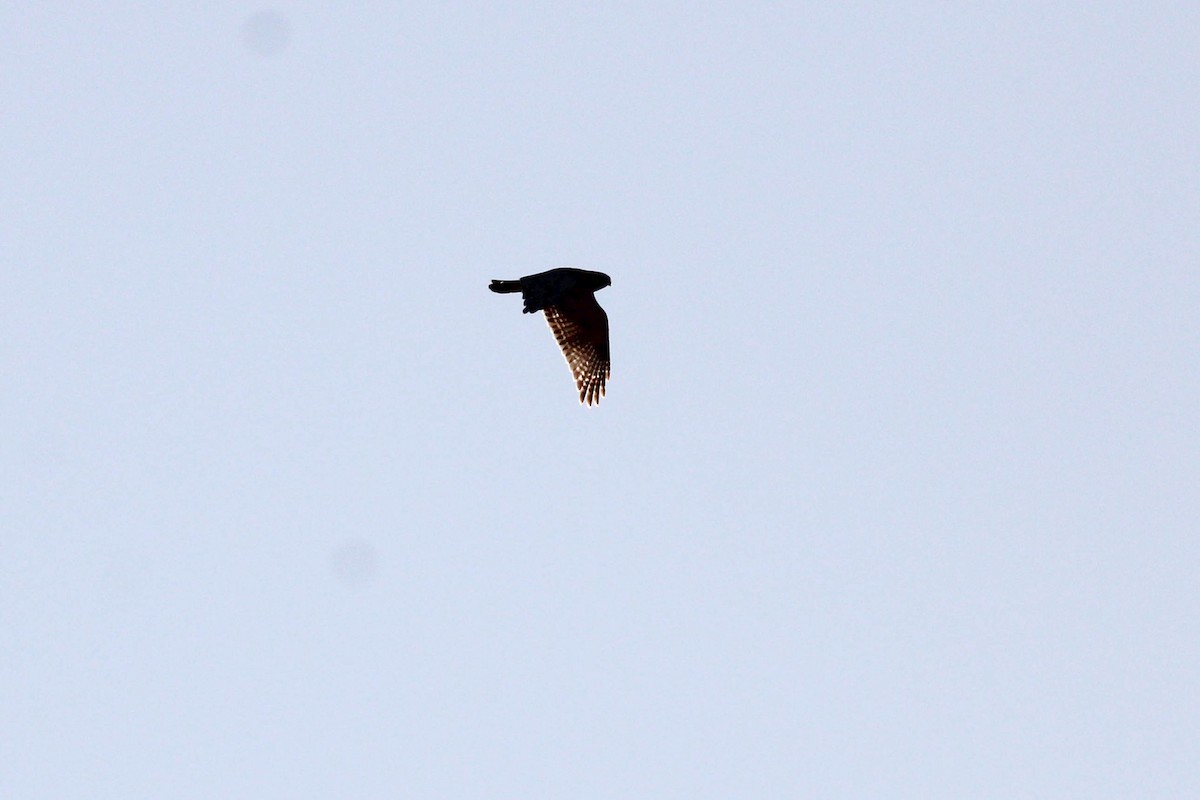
point(355, 563)
point(266, 33)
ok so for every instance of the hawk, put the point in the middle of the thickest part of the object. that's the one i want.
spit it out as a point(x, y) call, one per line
point(568, 296)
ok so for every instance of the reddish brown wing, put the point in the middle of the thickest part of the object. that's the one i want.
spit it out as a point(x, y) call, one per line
point(581, 328)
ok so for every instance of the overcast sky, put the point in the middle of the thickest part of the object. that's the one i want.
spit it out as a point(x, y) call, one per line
point(893, 494)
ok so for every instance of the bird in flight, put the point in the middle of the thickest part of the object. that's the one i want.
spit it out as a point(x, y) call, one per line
point(568, 296)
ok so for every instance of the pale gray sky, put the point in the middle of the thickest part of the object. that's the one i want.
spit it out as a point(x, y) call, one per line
point(894, 492)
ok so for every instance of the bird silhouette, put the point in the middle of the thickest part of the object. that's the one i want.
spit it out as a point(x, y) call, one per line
point(568, 298)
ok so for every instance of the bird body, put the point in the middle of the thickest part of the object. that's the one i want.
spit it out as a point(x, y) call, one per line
point(580, 326)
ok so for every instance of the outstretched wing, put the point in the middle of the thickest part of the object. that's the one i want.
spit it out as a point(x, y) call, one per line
point(581, 328)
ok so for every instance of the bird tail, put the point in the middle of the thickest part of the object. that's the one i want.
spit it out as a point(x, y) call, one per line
point(505, 287)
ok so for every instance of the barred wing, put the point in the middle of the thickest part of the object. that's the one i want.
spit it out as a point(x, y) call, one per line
point(581, 328)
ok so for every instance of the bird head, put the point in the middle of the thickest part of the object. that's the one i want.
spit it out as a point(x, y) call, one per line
point(597, 281)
